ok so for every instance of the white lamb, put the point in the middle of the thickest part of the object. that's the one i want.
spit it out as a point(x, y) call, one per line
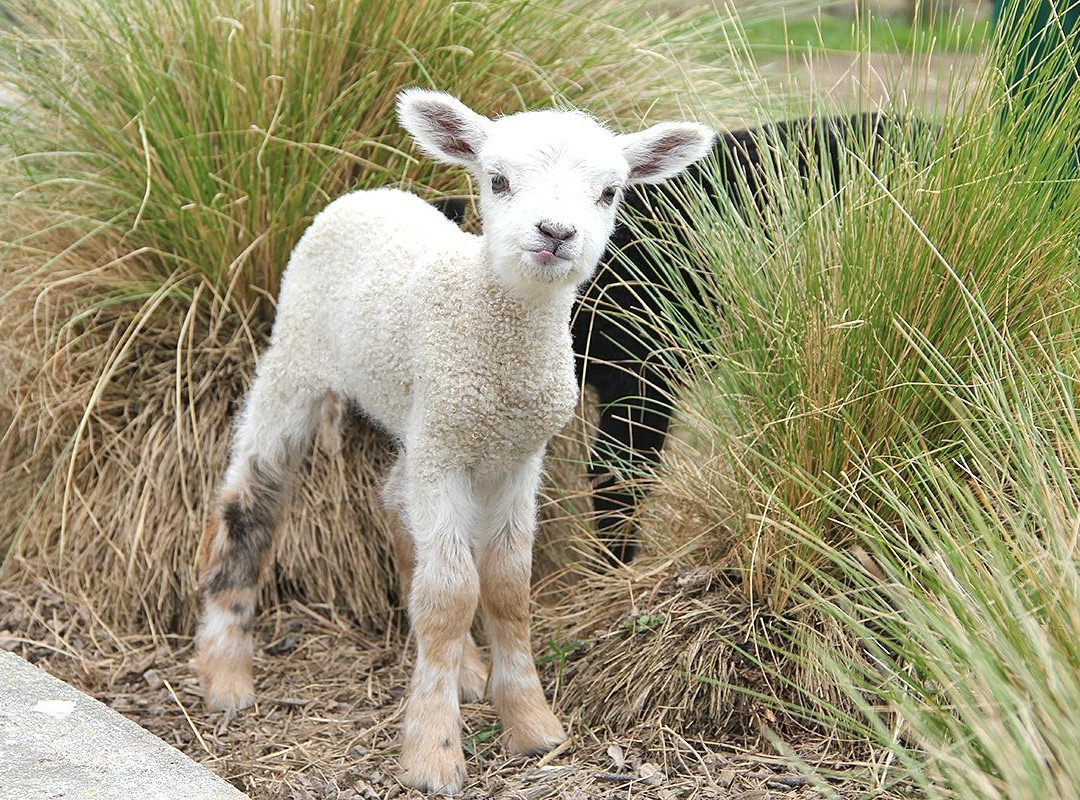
point(459, 347)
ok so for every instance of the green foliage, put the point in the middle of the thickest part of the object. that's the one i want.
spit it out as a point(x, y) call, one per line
point(881, 376)
point(805, 33)
point(478, 741)
point(557, 652)
point(968, 608)
point(195, 140)
point(644, 623)
point(792, 322)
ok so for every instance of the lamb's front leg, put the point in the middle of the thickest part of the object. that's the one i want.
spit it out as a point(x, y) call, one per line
point(505, 570)
point(442, 602)
point(472, 679)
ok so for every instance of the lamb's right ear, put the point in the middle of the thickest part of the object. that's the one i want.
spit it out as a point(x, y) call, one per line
point(443, 126)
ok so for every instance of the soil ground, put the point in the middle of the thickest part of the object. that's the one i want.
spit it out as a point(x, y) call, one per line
point(330, 706)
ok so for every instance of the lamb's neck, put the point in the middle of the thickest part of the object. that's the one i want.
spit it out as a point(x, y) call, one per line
point(534, 308)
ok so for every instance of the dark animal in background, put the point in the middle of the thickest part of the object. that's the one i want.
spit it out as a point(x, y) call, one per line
point(633, 386)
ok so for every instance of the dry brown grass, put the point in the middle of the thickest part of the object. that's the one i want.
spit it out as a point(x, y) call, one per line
point(119, 523)
point(681, 646)
point(674, 637)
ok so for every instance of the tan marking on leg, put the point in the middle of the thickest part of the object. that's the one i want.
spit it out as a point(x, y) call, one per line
point(431, 756)
point(442, 604)
point(515, 687)
point(211, 548)
point(472, 679)
point(225, 649)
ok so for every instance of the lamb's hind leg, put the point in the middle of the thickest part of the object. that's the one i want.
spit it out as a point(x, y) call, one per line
point(271, 436)
point(505, 563)
point(442, 603)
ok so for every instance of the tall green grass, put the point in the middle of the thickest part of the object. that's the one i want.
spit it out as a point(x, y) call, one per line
point(787, 320)
point(967, 601)
point(878, 434)
point(203, 136)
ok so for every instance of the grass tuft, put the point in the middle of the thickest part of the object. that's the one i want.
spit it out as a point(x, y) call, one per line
point(158, 163)
point(967, 607)
point(865, 524)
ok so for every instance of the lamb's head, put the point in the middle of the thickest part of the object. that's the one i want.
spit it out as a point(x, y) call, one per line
point(550, 181)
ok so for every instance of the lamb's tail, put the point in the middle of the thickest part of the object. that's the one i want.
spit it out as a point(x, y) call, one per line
point(331, 419)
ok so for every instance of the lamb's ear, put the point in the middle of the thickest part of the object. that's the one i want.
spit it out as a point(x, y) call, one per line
point(443, 126)
point(664, 150)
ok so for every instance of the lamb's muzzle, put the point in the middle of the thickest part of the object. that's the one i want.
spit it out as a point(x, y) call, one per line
point(459, 347)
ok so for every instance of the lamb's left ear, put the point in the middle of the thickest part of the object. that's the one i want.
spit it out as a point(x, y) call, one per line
point(443, 126)
point(664, 150)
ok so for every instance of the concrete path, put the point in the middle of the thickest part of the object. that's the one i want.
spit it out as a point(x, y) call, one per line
point(56, 742)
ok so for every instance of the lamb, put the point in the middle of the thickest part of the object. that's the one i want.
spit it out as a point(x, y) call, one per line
point(459, 347)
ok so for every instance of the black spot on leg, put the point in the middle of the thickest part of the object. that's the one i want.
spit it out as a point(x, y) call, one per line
point(219, 580)
point(249, 530)
point(242, 611)
point(446, 744)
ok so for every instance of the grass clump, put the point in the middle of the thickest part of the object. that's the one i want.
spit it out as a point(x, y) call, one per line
point(967, 609)
point(799, 332)
point(206, 136)
point(801, 374)
point(159, 161)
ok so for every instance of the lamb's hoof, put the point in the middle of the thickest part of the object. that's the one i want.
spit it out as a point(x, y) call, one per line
point(472, 679)
point(536, 735)
point(225, 692)
point(441, 773)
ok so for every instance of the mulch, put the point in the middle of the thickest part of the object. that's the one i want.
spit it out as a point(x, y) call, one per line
point(330, 703)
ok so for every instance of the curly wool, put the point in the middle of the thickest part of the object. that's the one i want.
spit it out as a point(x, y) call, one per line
point(390, 305)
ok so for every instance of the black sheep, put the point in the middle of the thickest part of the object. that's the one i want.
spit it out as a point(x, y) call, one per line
point(631, 385)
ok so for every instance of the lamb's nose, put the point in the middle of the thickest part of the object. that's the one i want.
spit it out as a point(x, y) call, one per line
point(556, 230)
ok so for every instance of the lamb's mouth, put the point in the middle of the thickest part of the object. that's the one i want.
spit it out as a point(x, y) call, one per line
point(548, 267)
point(547, 257)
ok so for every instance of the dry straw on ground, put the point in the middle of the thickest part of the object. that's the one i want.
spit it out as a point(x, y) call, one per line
point(329, 708)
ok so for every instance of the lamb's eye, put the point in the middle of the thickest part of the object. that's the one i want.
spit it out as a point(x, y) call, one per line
point(608, 197)
point(499, 184)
